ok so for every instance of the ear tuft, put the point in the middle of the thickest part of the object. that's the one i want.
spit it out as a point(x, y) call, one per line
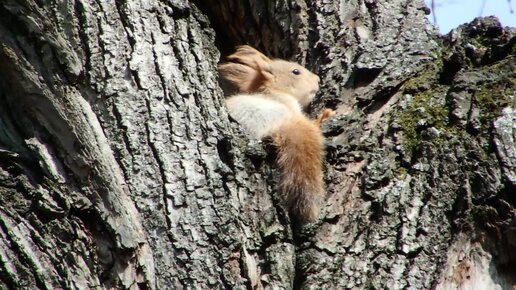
point(246, 54)
point(247, 69)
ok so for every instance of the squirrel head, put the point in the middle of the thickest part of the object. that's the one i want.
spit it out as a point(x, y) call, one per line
point(250, 71)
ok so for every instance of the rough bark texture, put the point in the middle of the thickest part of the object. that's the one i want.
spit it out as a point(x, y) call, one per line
point(119, 167)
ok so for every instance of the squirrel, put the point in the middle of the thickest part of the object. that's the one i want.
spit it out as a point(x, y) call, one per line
point(271, 95)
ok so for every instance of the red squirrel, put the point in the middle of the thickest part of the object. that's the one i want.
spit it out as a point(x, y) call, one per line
point(271, 94)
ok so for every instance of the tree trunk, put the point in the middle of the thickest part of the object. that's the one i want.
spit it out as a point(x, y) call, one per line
point(119, 166)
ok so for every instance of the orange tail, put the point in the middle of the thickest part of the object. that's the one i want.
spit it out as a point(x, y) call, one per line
point(300, 150)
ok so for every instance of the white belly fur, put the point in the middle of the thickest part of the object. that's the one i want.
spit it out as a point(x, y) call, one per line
point(258, 115)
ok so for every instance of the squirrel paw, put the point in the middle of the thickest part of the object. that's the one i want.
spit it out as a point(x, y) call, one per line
point(324, 115)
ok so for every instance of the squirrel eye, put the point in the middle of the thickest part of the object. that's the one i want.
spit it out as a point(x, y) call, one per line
point(296, 71)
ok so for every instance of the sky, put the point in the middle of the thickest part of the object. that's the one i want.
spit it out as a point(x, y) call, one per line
point(452, 13)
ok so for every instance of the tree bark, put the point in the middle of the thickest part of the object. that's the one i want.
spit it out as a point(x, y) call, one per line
point(119, 166)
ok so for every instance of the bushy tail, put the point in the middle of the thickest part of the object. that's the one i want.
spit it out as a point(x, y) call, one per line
point(300, 150)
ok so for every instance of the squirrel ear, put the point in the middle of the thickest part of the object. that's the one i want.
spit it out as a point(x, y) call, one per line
point(265, 71)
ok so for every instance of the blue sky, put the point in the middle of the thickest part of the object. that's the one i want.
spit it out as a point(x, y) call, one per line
point(452, 13)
